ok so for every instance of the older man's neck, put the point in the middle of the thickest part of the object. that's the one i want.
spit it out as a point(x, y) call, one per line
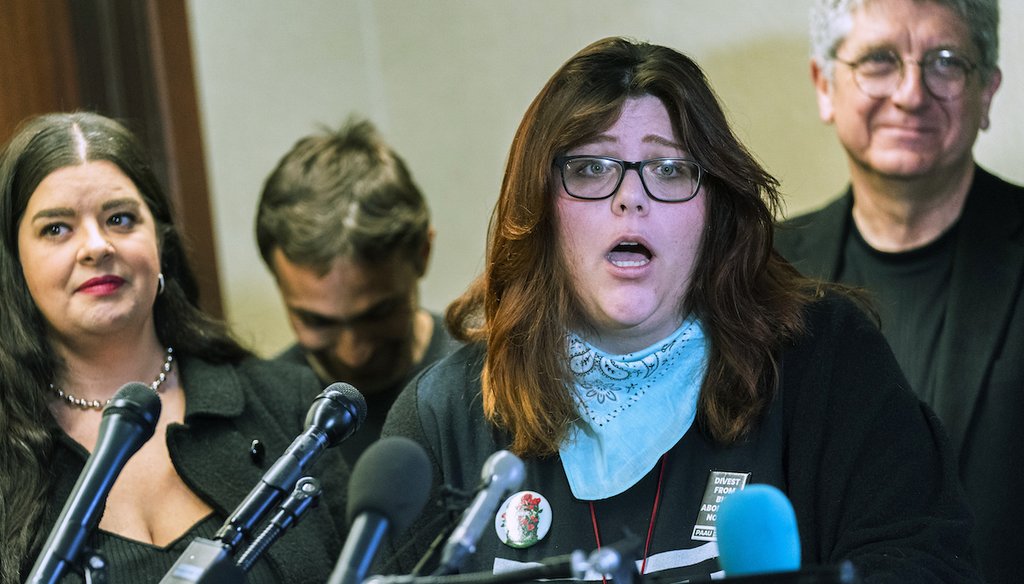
point(895, 215)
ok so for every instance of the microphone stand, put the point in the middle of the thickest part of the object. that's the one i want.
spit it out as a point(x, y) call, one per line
point(205, 561)
point(572, 566)
point(208, 561)
point(617, 560)
point(456, 502)
point(335, 414)
point(94, 566)
point(306, 494)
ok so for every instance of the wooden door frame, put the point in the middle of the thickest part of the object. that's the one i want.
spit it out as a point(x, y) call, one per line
point(130, 60)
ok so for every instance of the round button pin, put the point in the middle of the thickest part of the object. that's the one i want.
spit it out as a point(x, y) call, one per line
point(523, 519)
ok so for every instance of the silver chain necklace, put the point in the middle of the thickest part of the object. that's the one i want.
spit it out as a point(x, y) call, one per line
point(99, 405)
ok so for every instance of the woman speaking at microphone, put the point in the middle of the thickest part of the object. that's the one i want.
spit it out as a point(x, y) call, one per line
point(637, 342)
point(97, 293)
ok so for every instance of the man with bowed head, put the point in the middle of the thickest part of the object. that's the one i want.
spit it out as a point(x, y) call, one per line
point(637, 341)
point(346, 233)
point(936, 239)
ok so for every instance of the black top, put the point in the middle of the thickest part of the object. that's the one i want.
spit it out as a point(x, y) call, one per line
point(910, 291)
point(978, 385)
point(227, 408)
point(378, 404)
point(131, 560)
point(866, 466)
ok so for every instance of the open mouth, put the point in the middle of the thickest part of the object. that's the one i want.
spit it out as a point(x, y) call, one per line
point(629, 254)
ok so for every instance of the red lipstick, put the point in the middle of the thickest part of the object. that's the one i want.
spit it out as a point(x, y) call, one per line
point(102, 285)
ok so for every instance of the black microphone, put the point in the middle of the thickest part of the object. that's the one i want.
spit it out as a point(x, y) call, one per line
point(129, 420)
point(388, 489)
point(501, 474)
point(335, 415)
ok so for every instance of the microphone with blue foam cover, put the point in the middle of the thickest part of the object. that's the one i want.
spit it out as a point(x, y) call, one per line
point(757, 532)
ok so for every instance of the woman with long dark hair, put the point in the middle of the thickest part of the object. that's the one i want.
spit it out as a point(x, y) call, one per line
point(637, 342)
point(97, 293)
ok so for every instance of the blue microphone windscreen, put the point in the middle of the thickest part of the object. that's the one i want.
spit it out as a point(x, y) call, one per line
point(757, 533)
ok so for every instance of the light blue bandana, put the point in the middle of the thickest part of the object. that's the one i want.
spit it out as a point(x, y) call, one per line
point(633, 408)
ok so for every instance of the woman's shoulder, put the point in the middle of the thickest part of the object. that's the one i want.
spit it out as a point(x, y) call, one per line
point(249, 383)
point(287, 376)
point(445, 394)
point(840, 339)
point(452, 386)
point(247, 365)
point(457, 369)
point(838, 310)
point(841, 355)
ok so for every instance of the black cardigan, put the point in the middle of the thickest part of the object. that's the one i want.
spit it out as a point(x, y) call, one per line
point(866, 465)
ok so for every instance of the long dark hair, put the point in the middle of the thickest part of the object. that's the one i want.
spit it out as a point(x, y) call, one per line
point(747, 297)
point(27, 362)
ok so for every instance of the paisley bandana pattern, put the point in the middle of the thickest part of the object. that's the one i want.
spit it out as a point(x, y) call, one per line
point(633, 408)
point(608, 384)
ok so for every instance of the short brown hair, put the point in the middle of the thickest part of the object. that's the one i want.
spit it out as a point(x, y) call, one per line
point(342, 193)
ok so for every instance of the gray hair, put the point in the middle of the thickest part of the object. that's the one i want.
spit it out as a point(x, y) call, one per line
point(831, 21)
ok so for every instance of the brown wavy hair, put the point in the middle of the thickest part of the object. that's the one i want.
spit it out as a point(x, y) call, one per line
point(748, 298)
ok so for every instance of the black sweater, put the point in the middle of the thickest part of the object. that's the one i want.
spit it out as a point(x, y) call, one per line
point(865, 464)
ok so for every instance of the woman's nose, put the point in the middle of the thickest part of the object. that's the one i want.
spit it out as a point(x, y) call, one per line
point(95, 245)
point(631, 195)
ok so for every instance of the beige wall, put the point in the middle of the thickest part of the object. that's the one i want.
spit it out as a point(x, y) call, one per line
point(447, 82)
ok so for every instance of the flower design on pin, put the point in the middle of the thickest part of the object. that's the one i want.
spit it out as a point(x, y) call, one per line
point(523, 520)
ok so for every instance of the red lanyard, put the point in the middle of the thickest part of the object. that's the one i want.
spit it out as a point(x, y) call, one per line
point(650, 527)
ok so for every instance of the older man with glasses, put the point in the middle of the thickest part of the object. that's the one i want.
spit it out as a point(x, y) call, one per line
point(937, 241)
